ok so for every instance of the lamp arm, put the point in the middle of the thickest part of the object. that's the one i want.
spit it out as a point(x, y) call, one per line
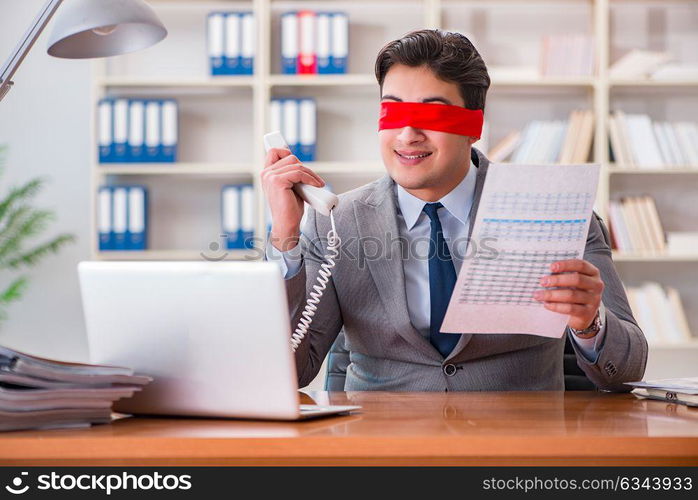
point(25, 45)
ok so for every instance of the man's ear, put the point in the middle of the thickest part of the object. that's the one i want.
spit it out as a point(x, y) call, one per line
point(472, 140)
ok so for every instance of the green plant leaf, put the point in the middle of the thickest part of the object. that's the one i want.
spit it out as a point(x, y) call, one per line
point(33, 256)
point(26, 225)
point(14, 292)
point(20, 194)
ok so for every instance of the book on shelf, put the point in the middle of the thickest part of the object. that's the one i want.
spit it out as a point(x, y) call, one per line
point(231, 41)
point(296, 119)
point(122, 218)
point(44, 393)
point(556, 141)
point(137, 130)
point(639, 143)
point(660, 313)
point(673, 390)
point(635, 225)
point(314, 42)
point(638, 63)
point(567, 55)
point(237, 215)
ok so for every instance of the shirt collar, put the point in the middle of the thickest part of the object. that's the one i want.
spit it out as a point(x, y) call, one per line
point(457, 202)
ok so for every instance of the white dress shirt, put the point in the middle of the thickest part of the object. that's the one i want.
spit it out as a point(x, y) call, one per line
point(415, 227)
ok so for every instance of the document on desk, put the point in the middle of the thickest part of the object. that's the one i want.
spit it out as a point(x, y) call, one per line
point(529, 216)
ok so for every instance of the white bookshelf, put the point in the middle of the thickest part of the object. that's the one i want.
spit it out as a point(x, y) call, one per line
point(223, 119)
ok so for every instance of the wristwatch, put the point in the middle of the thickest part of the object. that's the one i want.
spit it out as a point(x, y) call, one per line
point(595, 326)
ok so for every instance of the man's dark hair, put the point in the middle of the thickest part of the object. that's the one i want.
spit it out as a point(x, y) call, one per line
point(451, 56)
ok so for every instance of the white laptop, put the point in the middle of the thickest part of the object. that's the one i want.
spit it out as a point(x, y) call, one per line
point(215, 337)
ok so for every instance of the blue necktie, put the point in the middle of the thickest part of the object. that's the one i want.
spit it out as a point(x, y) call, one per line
point(442, 280)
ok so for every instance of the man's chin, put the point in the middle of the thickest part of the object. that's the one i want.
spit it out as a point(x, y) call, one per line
point(409, 181)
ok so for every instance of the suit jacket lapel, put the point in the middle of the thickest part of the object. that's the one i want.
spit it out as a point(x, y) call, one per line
point(376, 218)
point(482, 163)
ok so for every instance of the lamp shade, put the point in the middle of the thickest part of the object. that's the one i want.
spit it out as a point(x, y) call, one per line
point(100, 28)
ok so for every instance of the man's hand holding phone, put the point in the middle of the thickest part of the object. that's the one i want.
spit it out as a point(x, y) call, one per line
point(281, 171)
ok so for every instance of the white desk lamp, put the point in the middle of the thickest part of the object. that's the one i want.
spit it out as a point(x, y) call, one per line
point(86, 29)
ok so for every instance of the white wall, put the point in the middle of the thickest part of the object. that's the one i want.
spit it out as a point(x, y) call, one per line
point(45, 122)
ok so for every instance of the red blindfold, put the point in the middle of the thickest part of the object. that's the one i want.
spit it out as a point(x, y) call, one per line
point(428, 116)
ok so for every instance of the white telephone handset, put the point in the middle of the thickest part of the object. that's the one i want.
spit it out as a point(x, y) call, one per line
point(320, 199)
point(324, 202)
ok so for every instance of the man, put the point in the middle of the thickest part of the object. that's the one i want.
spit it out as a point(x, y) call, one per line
point(390, 302)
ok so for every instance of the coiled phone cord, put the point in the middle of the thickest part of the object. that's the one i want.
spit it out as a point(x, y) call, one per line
point(333, 242)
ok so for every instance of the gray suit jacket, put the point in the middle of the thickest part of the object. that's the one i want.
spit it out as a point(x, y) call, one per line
point(366, 296)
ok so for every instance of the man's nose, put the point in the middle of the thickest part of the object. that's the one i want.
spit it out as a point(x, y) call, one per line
point(410, 135)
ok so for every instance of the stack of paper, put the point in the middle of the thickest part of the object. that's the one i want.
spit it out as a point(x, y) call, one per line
point(660, 313)
point(674, 390)
point(41, 393)
point(556, 141)
point(639, 142)
point(635, 225)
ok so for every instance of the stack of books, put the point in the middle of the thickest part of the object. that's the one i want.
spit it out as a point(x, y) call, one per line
point(296, 119)
point(567, 55)
point(314, 42)
point(558, 141)
point(122, 217)
point(231, 43)
point(137, 130)
point(237, 216)
point(637, 142)
point(672, 390)
point(44, 394)
point(635, 225)
point(660, 313)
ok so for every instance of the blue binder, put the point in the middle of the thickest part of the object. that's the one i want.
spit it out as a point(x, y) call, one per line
point(247, 215)
point(289, 43)
point(323, 48)
point(153, 131)
point(230, 217)
point(169, 130)
point(105, 136)
point(137, 228)
point(247, 43)
point(307, 136)
point(216, 42)
point(104, 218)
point(340, 42)
point(136, 131)
point(119, 217)
point(120, 131)
point(232, 35)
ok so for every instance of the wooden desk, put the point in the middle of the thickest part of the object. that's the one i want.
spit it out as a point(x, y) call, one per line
point(537, 428)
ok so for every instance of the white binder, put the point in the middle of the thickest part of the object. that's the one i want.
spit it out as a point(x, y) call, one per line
point(275, 115)
point(289, 127)
point(169, 131)
point(104, 218)
point(340, 42)
point(289, 43)
point(120, 130)
point(136, 131)
point(323, 44)
point(216, 25)
point(120, 217)
point(152, 131)
point(136, 218)
point(230, 208)
point(105, 134)
point(232, 44)
point(308, 130)
point(247, 215)
point(248, 43)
